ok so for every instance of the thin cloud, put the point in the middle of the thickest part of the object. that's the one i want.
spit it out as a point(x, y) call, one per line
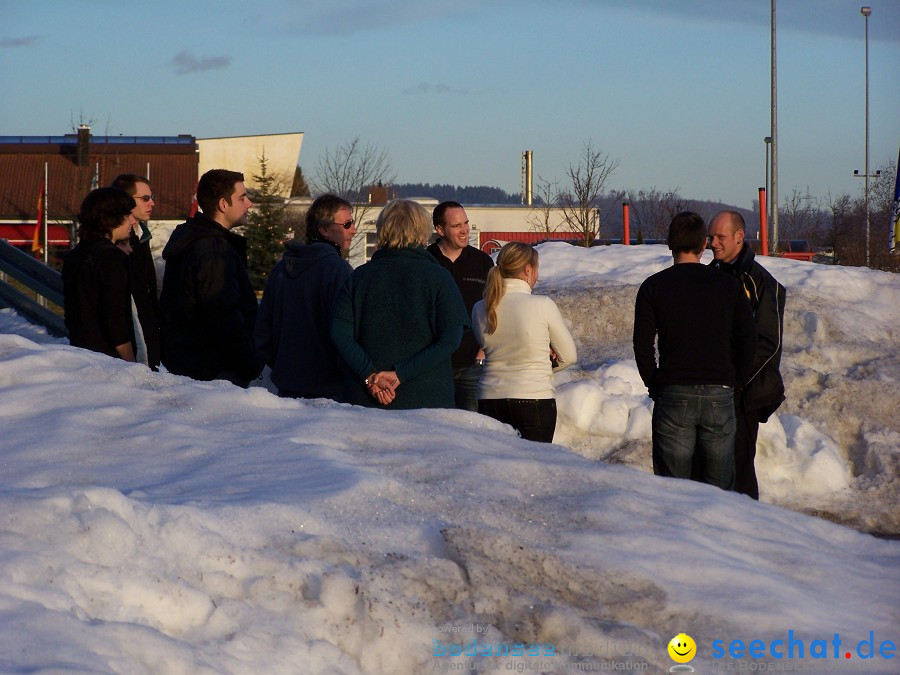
point(185, 62)
point(428, 88)
point(20, 42)
point(348, 17)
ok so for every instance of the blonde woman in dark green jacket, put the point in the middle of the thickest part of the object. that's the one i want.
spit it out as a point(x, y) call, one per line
point(399, 318)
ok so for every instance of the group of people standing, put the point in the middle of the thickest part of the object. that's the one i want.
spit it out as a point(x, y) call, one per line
point(417, 326)
point(421, 326)
point(719, 339)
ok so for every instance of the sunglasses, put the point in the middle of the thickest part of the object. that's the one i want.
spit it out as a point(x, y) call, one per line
point(350, 223)
point(146, 198)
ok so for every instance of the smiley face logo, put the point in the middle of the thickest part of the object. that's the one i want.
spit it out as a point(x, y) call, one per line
point(682, 648)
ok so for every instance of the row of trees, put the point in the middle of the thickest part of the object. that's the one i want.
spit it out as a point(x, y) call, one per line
point(587, 204)
point(838, 222)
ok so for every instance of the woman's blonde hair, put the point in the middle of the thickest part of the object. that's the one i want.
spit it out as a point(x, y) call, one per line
point(403, 223)
point(510, 264)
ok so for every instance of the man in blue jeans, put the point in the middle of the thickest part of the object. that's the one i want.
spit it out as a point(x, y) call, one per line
point(706, 339)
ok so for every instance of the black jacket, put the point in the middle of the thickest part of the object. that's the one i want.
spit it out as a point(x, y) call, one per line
point(208, 307)
point(703, 326)
point(469, 271)
point(763, 390)
point(293, 328)
point(97, 296)
point(143, 290)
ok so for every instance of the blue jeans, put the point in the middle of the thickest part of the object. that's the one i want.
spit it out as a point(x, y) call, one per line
point(465, 387)
point(695, 424)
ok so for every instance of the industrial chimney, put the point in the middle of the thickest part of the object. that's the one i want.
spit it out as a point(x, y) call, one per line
point(527, 181)
point(84, 145)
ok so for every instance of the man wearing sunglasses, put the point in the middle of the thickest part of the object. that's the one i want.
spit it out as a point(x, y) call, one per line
point(140, 264)
point(292, 329)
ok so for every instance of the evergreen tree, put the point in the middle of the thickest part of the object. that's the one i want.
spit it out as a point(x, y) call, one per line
point(299, 188)
point(265, 229)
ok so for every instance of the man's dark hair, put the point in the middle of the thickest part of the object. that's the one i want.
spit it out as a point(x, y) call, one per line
point(687, 233)
point(128, 182)
point(102, 211)
point(437, 216)
point(321, 213)
point(214, 185)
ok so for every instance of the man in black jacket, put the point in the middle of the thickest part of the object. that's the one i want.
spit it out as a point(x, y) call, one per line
point(760, 394)
point(706, 341)
point(208, 304)
point(140, 264)
point(469, 268)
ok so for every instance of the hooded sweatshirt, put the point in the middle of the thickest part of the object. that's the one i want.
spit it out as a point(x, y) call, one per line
point(292, 330)
point(208, 306)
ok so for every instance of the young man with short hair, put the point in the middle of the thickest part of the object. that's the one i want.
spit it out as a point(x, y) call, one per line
point(208, 305)
point(469, 268)
point(706, 342)
point(140, 265)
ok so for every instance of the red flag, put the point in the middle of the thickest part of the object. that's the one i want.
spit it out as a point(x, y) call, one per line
point(36, 247)
point(194, 205)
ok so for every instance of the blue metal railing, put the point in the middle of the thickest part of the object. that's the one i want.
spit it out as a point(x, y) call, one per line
point(45, 281)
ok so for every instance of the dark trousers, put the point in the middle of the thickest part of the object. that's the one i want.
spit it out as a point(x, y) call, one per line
point(745, 449)
point(534, 419)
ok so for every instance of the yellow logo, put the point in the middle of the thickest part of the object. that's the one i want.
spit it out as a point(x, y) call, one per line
point(682, 648)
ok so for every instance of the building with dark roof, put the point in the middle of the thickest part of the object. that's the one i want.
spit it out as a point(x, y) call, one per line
point(77, 163)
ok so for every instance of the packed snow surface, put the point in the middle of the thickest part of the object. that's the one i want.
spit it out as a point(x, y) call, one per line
point(152, 524)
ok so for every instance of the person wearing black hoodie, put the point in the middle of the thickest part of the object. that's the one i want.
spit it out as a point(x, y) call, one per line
point(292, 329)
point(208, 306)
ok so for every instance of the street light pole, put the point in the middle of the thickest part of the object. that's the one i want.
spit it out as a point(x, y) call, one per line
point(866, 12)
point(768, 140)
point(773, 197)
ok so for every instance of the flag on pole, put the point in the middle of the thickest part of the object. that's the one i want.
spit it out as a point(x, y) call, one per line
point(36, 246)
point(895, 214)
point(194, 205)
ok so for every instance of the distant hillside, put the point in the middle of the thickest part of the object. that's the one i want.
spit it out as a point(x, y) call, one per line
point(470, 194)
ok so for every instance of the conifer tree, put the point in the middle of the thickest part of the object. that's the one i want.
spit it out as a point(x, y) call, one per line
point(265, 229)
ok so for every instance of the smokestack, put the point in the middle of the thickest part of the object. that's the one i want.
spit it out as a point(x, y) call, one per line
point(527, 180)
point(84, 145)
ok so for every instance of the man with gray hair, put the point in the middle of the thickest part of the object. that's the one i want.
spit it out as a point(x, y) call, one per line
point(293, 327)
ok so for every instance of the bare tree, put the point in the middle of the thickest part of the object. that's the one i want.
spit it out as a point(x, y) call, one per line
point(541, 217)
point(588, 180)
point(801, 218)
point(654, 209)
point(348, 171)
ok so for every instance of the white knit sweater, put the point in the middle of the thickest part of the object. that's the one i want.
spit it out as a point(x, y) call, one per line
point(517, 354)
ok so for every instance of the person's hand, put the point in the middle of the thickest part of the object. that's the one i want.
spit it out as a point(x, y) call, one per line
point(382, 386)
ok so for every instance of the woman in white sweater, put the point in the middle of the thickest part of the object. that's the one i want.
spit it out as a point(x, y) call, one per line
point(525, 341)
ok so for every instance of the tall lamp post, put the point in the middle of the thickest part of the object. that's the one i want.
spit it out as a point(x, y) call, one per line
point(773, 192)
point(866, 12)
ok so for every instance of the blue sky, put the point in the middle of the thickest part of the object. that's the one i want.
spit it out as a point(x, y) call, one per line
point(454, 90)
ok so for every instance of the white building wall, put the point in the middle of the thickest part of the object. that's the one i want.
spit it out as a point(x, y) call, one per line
point(242, 153)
